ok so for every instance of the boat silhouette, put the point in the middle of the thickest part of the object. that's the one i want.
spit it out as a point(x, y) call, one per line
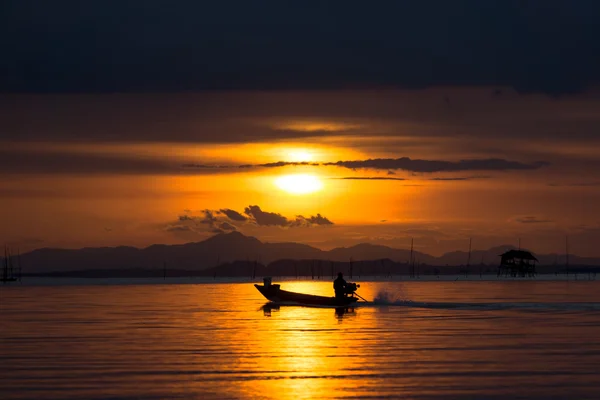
point(274, 293)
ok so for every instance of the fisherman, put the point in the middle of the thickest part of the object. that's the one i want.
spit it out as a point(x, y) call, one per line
point(339, 286)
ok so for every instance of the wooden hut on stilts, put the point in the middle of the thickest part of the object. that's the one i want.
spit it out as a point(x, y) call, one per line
point(517, 263)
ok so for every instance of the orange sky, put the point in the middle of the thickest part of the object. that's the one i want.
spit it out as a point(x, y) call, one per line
point(141, 169)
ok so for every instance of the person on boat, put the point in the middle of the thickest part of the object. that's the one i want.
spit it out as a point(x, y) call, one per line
point(339, 286)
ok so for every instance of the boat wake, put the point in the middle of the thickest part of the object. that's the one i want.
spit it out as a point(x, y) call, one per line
point(490, 306)
point(387, 299)
point(384, 298)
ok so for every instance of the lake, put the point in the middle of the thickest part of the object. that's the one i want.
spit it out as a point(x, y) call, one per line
point(418, 340)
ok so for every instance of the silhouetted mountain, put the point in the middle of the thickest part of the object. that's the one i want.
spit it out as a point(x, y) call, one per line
point(221, 251)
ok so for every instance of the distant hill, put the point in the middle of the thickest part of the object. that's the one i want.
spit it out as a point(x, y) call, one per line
point(230, 247)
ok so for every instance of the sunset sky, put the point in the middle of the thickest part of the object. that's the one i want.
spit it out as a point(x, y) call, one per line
point(327, 126)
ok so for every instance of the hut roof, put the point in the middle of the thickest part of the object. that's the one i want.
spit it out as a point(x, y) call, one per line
point(521, 254)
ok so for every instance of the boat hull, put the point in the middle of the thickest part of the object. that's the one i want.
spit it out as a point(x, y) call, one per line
point(276, 295)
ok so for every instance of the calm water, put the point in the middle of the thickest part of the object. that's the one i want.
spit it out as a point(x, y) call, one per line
point(454, 340)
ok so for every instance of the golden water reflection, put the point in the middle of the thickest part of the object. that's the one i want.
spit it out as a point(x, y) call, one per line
point(213, 340)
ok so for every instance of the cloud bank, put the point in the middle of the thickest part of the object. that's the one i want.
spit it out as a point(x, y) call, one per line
point(227, 220)
point(290, 45)
point(429, 166)
point(410, 165)
point(264, 218)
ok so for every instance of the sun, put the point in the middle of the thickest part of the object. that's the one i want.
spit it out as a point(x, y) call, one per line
point(300, 155)
point(299, 183)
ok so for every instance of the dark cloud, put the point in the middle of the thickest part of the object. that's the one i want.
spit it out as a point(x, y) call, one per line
point(232, 214)
point(37, 161)
point(519, 128)
point(531, 220)
point(264, 218)
point(416, 166)
point(137, 46)
point(191, 226)
point(207, 218)
point(278, 164)
point(371, 178)
point(387, 178)
point(317, 220)
point(285, 164)
point(428, 166)
point(226, 226)
point(226, 220)
point(459, 178)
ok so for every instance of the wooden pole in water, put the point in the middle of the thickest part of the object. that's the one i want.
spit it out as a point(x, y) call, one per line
point(319, 271)
point(412, 264)
point(10, 266)
point(481, 265)
point(18, 264)
point(164, 270)
point(350, 267)
point(468, 258)
point(5, 266)
point(567, 253)
point(332, 270)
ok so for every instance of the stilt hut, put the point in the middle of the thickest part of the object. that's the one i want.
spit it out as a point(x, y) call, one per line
point(517, 263)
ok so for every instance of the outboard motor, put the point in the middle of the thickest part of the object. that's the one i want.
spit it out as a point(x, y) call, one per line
point(351, 287)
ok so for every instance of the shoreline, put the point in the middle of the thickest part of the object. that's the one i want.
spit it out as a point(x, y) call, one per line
point(68, 281)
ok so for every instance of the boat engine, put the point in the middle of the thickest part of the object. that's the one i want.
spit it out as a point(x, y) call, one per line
point(351, 287)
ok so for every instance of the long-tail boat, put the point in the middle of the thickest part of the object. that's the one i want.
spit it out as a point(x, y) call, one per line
point(274, 293)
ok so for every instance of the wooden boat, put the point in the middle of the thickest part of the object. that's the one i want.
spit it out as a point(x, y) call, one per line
point(276, 295)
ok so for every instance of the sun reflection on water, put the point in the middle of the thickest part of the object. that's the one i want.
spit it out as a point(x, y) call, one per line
point(305, 345)
point(211, 340)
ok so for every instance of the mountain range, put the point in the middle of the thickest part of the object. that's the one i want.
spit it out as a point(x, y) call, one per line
point(230, 247)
